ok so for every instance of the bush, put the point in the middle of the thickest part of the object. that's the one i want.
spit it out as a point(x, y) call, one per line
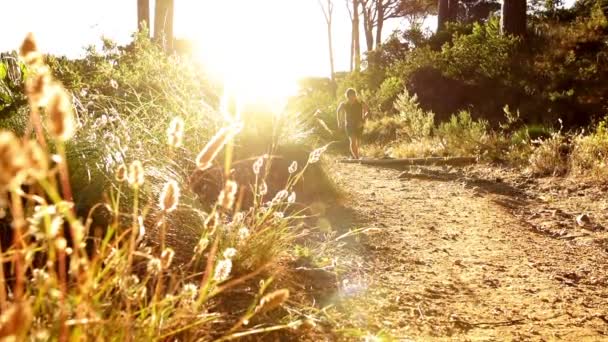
point(590, 153)
point(462, 135)
point(550, 157)
point(416, 124)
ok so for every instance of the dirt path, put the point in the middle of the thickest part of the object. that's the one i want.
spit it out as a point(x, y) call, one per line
point(450, 261)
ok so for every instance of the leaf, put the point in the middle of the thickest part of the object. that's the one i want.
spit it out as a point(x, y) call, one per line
point(3, 71)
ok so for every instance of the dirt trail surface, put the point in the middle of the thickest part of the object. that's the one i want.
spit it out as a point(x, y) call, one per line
point(455, 258)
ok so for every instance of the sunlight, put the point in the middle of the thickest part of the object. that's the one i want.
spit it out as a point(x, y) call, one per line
point(255, 52)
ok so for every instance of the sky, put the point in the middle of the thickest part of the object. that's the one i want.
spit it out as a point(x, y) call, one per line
point(286, 35)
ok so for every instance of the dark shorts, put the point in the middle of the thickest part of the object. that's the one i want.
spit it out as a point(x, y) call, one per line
point(354, 131)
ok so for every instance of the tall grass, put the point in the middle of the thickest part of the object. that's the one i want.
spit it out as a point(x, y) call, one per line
point(130, 277)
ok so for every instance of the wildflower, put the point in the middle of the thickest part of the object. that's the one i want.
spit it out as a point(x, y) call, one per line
point(175, 132)
point(263, 190)
point(201, 245)
point(292, 198)
point(316, 154)
point(60, 115)
point(280, 196)
point(257, 165)
point(166, 257)
point(222, 270)
point(121, 173)
point(272, 300)
point(114, 84)
point(55, 226)
point(226, 198)
point(136, 174)
point(243, 233)
point(279, 215)
point(293, 167)
point(229, 253)
point(213, 147)
point(169, 197)
point(154, 266)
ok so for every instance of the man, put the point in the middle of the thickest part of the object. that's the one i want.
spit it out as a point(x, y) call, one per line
point(351, 115)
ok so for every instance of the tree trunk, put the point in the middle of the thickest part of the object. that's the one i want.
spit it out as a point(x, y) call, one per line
point(380, 23)
point(143, 14)
point(513, 17)
point(331, 51)
point(368, 28)
point(356, 36)
point(442, 14)
point(163, 23)
point(453, 11)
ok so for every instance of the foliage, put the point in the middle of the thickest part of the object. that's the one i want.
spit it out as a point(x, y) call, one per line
point(416, 123)
point(148, 259)
point(462, 135)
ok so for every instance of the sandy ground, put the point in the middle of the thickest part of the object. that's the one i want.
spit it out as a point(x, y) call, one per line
point(470, 255)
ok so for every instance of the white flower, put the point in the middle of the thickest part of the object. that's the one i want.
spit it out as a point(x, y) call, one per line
point(222, 270)
point(189, 291)
point(114, 84)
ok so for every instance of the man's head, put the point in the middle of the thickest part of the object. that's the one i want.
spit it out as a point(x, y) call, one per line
point(351, 94)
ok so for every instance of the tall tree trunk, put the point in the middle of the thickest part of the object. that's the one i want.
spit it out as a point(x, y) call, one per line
point(380, 23)
point(368, 28)
point(356, 36)
point(442, 14)
point(143, 14)
point(453, 11)
point(513, 17)
point(163, 23)
point(331, 51)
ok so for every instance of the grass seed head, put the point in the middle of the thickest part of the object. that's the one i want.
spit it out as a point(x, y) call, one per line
point(60, 115)
point(13, 162)
point(175, 132)
point(293, 167)
point(121, 173)
point(213, 147)
point(229, 253)
point(227, 196)
point(222, 270)
point(257, 165)
point(136, 174)
point(166, 257)
point(154, 266)
point(272, 300)
point(169, 197)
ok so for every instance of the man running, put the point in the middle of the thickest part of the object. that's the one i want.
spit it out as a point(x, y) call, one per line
point(356, 112)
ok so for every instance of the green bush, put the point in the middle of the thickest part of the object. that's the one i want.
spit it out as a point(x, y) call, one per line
point(462, 135)
point(416, 124)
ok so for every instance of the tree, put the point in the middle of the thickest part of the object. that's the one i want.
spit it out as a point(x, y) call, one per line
point(327, 6)
point(443, 11)
point(143, 13)
point(369, 22)
point(163, 23)
point(355, 48)
point(452, 11)
point(386, 9)
point(513, 17)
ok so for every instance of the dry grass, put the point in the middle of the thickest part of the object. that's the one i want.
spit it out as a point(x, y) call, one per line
point(72, 279)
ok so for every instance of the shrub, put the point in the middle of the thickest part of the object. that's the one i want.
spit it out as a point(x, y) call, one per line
point(550, 157)
point(590, 153)
point(416, 123)
point(462, 135)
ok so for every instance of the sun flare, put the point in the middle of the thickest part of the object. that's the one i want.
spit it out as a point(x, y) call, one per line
point(260, 56)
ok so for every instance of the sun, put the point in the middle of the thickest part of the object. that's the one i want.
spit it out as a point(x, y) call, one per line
point(256, 52)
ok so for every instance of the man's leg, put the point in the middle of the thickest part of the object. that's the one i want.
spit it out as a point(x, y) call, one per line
point(354, 146)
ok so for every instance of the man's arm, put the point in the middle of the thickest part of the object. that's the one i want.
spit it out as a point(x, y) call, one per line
point(339, 114)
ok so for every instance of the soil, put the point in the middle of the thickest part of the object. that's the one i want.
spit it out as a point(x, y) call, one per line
point(470, 254)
